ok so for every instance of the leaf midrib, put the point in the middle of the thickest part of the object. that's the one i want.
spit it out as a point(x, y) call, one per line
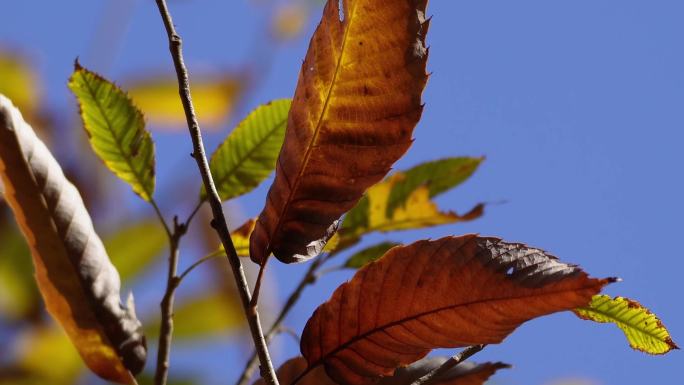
point(117, 140)
point(620, 322)
point(307, 155)
point(381, 328)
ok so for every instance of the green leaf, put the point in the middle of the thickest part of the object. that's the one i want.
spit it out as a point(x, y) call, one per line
point(369, 254)
point(116, 130)
point(643, 329)
point(249, 154)
point(438, 176)
point(129, 254)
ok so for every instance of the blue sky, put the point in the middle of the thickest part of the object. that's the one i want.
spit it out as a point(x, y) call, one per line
point(577, 106)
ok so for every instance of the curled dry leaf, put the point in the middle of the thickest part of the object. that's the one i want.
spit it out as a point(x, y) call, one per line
point(466, 373)
point(79, 284)
point(643, 329)
point(357, 102)
point(452, 292)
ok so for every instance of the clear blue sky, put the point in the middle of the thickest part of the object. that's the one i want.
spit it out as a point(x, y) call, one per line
point(578, 107)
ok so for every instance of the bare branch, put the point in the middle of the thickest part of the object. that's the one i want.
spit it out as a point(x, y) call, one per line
point(219, 222)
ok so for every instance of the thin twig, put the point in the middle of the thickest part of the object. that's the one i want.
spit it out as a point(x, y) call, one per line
point(192, 267)
point(166, 328)
point(195, 211)
point(161, 217)
point(219, 222)
point(308, 279)
point(448, 365)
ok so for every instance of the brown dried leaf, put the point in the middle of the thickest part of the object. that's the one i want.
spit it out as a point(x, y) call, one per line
point(452, 292)
point(78, 282)
point(357, 102)
point(466, 373)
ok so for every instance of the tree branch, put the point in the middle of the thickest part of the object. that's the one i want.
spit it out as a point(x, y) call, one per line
point(219, 222)
point(448, 365)
point(308, 279)
point(166, 328)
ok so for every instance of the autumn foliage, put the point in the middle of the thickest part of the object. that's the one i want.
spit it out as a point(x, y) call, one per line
point(331, 149)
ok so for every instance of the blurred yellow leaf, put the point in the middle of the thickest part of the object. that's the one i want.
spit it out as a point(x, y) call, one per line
point(19, 83)
point(204, 317)
point(289, 21)
point(214, 98)
point(128, 254)
point(47, 354)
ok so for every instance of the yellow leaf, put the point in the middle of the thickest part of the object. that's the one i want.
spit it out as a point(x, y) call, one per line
point(289, 21)
point(417, 211)
point(214, 98)
point(19, 83)
point(46, 353)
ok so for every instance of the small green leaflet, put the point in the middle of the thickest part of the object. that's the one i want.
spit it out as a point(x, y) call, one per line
point(643, 329)
point(116, 130)
point(249, 153)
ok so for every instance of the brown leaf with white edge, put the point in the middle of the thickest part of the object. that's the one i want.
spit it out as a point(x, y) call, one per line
point(357, 102)
point(79, 284)
point(466, 373)
point(448, 293)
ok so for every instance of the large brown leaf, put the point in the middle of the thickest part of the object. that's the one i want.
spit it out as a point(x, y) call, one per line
point(452, 292)
point(357, 102)
point(75, 276)
point(466, 373)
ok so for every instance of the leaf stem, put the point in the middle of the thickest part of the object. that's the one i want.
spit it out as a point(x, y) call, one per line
point(308, 279)
point(172, 282)
point(219, 222)
point(192, 267)
point(161, 217)
point(448, 365)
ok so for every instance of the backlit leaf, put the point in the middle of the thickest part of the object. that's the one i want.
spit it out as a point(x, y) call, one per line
point(369, 254)
point(355, 107)
point(644, 331)
point(438, 176)
point(466, 373)
point(412, 208)
point(214, 98)
point(248, 155)
point(134, 247)
point(401, 194)
point(79, 284)
point(448, 293)
point(116, 130)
